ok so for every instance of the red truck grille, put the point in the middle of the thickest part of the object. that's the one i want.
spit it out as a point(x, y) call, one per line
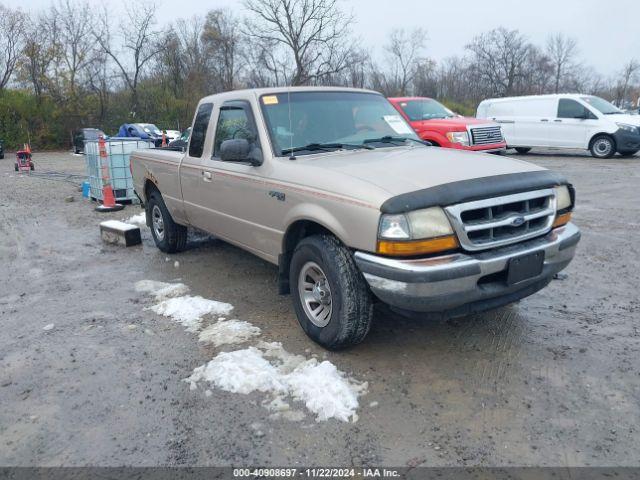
point(486, 135)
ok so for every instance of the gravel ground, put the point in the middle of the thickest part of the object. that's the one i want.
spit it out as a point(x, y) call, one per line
point(552, 380)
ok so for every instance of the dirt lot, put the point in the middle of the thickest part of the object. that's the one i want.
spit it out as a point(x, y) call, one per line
point(552, 380)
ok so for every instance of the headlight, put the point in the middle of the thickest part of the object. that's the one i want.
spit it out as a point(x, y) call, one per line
point(394, 227)
point(563, 198)
point(458, 137)
point(428, 223)
point(416, 233)
point(628, 128)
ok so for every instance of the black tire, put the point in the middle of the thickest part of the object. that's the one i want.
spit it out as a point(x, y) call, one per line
point(628, 153)
point(1, 156)
point(15, 167)
point(523, 150)
point(173, 237)
point(32, 167)
point(603, 146)
point(351, 300)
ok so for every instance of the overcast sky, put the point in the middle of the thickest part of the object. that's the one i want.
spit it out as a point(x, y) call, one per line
point(608, 31)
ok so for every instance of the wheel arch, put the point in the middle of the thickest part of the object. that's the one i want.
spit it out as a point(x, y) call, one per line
point(297, 230)
point(601, 134)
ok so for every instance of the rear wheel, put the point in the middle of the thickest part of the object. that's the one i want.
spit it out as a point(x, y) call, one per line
point(15, 167)
point(167, 234)
point(523, 150)
point(331, 297)
point(603, 146)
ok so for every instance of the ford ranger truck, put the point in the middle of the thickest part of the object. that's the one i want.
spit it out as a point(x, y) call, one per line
point(333, 186)
point(441, 127)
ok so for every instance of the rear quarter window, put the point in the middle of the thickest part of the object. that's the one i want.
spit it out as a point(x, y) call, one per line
point(199, 132)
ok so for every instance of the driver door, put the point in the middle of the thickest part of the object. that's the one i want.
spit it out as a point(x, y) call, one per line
point(238, 200)
point(571, 126)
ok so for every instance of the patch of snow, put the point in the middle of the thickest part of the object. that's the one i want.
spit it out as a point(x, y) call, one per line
point(161, 290)
point(139, 220)
point(242, 371)
point(176, 264)
point(188, 310)
point(227, 332)
point(48, 327)
point(325, 391)
point(373, 404)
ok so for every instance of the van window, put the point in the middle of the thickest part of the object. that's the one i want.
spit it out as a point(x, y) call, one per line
point(568, 108)
point(235, 121)
point(199, 132)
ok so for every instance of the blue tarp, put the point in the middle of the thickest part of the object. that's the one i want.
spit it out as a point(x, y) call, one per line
point(132, 130)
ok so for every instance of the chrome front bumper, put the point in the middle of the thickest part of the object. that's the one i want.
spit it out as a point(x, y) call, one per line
point(463, 283)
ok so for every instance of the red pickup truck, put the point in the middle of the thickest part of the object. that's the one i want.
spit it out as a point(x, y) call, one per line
point(434, 122)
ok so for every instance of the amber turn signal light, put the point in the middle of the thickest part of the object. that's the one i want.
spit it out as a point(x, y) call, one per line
point(562, 219)
point(417, 247)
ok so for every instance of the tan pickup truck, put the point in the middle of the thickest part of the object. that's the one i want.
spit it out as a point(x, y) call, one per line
point(333, 186)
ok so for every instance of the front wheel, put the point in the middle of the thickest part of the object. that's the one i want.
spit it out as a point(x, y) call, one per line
point(603, 146)
point(523, 150)
point(167, 234)
point(331, 298)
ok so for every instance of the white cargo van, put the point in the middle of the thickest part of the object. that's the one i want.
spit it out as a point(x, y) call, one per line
point(564, 121)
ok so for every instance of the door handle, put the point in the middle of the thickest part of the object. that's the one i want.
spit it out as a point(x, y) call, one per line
point(558, 121)
point(544, 120)
point(207, 176)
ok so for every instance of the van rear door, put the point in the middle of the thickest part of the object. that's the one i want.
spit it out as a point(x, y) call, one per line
point(500, 112)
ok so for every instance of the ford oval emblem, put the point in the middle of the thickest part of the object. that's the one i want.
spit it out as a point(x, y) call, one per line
point(518, 221)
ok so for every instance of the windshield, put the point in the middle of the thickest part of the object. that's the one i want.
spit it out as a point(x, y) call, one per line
point(150, 128)
point(425, 109)
point(332, 120)
point(602, 105)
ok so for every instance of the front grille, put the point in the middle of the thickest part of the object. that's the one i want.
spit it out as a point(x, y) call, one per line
point(503, 220)
point(486, 135)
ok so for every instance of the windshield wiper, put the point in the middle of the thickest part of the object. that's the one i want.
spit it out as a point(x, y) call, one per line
point(311, 147)
point(392, 139)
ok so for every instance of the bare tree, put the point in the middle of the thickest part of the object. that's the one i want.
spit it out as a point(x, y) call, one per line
point(140, 43)
point(74, 39)
point(39, 53)
point(404, 57)
point(500, 58)
point(627, 76)
point(222, 41)
point(561, 51)
point(312, 33)
point(12, 37)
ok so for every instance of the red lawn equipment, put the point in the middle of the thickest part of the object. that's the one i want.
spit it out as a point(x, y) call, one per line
point(23, 160)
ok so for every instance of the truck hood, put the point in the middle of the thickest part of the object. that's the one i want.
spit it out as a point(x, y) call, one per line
point(395, 171)
point(625, 118)
point(453, 124)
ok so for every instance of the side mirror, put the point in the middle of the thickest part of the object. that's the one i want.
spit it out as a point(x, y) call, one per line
point(239, 150)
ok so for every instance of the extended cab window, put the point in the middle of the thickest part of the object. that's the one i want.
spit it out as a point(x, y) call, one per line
point(235, 121)
point(571, 109)
point(199, 132)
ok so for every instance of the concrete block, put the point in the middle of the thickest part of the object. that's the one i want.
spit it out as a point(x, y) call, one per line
point(120, 233)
